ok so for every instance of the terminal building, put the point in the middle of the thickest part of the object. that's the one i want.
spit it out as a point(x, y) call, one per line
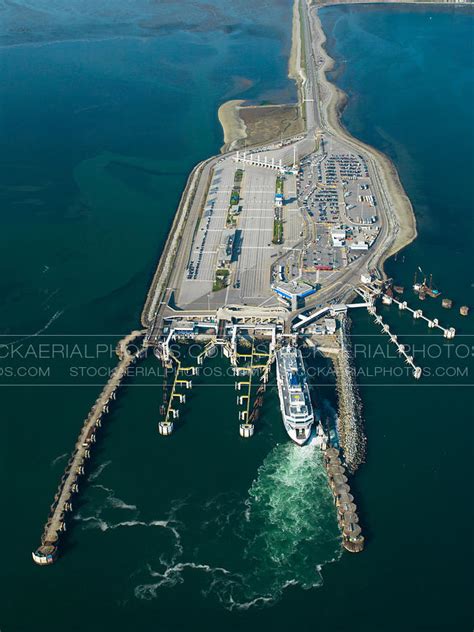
point(338, 236)
point(292, 293)
point(359, 245)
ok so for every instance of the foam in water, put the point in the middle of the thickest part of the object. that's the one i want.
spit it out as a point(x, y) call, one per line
point(291, 528)
point(96, 473)
point(96, 519)
point(59, 458)
point(53, 318)
point(173, 576)
point(111, 500)
point(286, 531)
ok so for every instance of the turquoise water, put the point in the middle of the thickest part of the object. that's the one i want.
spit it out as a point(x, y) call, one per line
point(98, 138)
point(204, 530)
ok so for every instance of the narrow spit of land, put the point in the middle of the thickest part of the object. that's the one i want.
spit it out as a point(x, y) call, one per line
point(232, 124)
point(333, 106)
point(332, 102)
point(249, 125)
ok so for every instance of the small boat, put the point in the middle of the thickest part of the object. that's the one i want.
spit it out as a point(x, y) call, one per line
point(425, 288)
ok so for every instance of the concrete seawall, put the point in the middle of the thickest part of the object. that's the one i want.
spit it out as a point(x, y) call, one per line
point(167, 257)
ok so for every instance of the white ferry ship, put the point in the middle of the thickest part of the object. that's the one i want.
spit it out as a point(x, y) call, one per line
point(293, 390)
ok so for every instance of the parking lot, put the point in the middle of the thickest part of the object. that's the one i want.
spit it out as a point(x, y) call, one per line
point(198, 278)
point(254, 252)
point(336, 199)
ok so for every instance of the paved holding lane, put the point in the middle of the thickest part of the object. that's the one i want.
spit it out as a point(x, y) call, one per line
point(254, 251)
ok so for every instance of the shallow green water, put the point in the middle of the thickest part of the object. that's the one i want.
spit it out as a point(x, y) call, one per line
point(204, 530)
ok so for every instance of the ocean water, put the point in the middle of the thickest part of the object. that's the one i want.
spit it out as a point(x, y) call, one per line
point(98, 137)
point(408, 74)
point(106, 108)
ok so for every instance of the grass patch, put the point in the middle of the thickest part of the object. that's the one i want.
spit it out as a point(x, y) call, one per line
point(277, 231)
point(279, 185)
point(231, 220)
point(220, 282)
point(234, 197)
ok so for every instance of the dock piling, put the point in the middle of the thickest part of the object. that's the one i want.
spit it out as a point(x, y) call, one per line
point(352, 538)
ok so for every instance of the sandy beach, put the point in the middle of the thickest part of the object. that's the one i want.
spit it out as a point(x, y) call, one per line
point(232, 125)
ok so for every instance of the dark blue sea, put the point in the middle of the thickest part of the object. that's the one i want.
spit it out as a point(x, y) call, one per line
point(105, 108)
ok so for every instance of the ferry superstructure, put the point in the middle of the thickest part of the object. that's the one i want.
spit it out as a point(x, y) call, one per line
point(295, 402)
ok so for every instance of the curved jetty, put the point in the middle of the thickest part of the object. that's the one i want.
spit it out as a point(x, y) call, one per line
point(68, 486)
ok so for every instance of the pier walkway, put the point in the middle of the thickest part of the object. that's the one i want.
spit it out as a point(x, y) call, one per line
point(402, 350)
point(371, 291)
point(47, 552)
point(181, 378)
point(256, 161)
point(448, 332)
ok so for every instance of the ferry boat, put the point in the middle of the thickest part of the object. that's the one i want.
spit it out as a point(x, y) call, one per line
point(295, 402)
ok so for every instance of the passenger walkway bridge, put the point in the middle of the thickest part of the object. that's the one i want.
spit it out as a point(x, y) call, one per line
point(181, 378)
point(333, 310)
point(433, 323)
point(394, 339)
point(255, 362)
point(245, 364)
point(373, 290)
point(255, 160)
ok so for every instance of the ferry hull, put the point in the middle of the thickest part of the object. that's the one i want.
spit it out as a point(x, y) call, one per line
point(298, 426)
point(300, 436)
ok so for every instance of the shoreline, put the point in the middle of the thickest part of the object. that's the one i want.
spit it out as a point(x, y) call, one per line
point(296, 71)
point(233, 126)
point(382, 3)
point(403, 227)
point(402, 233)
point(168, 254)
point(403, 230)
